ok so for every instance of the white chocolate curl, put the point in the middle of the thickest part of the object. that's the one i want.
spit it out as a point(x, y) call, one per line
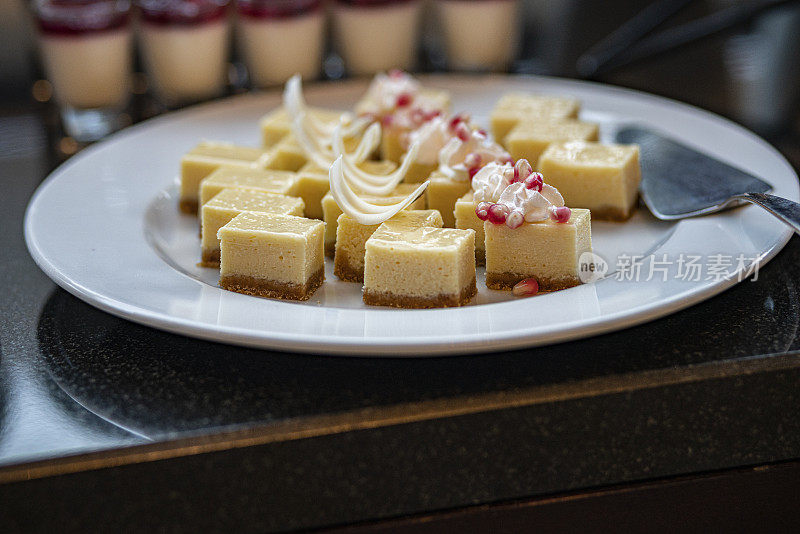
point(316, 136)
point(362, 211)
point(323, 143)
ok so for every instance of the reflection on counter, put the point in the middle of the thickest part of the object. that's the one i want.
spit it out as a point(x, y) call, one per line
point(163, 385)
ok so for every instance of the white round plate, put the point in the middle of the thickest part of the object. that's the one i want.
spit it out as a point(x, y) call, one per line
point(105, 227)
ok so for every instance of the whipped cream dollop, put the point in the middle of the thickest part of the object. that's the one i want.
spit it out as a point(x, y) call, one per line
point(432, 137)
point(514, 194)
point(383, 92)
point(397, 101)
point(530, 204)
point(467, 152)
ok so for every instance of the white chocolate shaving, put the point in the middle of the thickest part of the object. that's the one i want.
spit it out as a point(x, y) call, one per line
point(373, 184)
point(362, 211)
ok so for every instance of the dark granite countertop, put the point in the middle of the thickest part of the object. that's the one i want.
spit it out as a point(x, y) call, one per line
point(105, 422)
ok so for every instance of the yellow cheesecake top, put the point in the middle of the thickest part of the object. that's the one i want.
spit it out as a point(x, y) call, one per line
point(583, 153)
point(254, 199)
point(211, 149)
point(403, 235)
point(268, 179)
point(268, 223)
point(551, 129)
point(529, 104)
point(408, 219)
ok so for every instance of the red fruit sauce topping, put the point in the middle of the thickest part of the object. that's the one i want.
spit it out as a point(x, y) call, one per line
point(276, 9)
point(182, 12)
point(59, 17)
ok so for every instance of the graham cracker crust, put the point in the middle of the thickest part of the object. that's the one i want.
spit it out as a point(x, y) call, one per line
point(509, 280)
point(271, 289)
point(380, 298)
point(188, 206)
point(612, 213)
point(344, 270)
point(209, 258)
point(330, 250)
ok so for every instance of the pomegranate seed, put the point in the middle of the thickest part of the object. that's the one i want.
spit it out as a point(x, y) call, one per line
point(508, 174)
point(403, 100)
point(509, 160)
point(482, 210)
point(526, 288)
point(515, 219)
point(522, 169)
point(458, 119)
point(462, 132)
point(432, 114)
point(483, 132)
point(497, 214)
point(560, 214)
point(387, 120)
point(396, 73)
point(534, 181)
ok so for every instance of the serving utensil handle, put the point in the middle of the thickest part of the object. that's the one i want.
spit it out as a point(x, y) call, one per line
point(784, 209)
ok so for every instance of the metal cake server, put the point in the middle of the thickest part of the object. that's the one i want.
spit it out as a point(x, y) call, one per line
point(680, 182)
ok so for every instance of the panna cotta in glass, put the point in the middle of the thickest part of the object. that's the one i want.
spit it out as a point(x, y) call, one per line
point(376, 35)
point(184, 46)
point(86, 54)
point(279, 38)
point(479, 35)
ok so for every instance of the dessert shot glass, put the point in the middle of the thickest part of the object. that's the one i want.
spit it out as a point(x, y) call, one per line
point(479, 35)
point(184, 46)
point(278, 38)
point(86, 51)
point(376, 35)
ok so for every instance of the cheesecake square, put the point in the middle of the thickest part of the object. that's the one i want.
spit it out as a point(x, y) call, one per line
point(601, 177)
point(206, 158)
point(545, 250)
point(313, 183)
point(229, 203)
point(419, 267)
point(277, 124)
point(529, 138)
point(268, 255)
point(467, 219)
point(287, 155)
point(331, 211)
point(515, 107)
point(352, 236)
point(419, 172)
point(270, 181)
point(442, 194)
point(312, 187)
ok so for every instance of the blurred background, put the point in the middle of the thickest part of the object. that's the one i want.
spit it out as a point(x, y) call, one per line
point(73, 70)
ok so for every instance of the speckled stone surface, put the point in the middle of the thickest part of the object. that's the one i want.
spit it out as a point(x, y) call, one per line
point(712, 387)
